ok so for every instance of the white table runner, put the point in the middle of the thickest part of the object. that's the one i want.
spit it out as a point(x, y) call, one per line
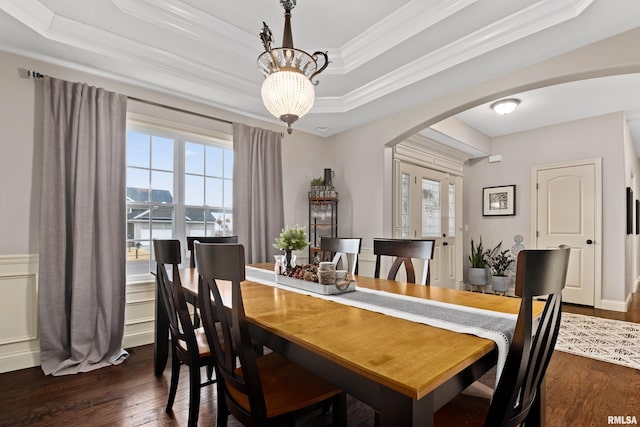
point(488, 324)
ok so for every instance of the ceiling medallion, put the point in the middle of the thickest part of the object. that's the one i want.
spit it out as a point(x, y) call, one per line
point(287, 91)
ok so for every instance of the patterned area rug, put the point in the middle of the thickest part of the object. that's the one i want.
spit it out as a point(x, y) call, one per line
point(607, 340)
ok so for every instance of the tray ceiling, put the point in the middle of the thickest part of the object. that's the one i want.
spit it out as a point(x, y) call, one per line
point(385, 58)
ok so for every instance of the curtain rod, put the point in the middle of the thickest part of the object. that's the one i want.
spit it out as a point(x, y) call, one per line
point(37, 75)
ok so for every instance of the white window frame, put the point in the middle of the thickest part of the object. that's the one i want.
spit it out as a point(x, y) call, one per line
point(180, 134)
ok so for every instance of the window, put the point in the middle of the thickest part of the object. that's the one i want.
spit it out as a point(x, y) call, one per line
point(178, 185)
point(431, 219)
point(405, 200)
point(452, 209)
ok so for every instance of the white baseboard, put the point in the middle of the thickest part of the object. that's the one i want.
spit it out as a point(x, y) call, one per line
point(615, 305)
point(19, 360)
point(138, 339)
point(30, 358)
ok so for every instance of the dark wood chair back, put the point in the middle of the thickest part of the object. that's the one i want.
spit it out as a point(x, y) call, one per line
point(540, 272)
point(404, 250)
point(206, 239)
point(185, 347)
point(167, 252)
point(259, 390)
point(338, 248)
point(226, 262)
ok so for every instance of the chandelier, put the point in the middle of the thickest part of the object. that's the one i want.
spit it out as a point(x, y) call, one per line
point(287, 91)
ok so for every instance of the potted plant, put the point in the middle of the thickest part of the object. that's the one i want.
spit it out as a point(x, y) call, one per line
point(316, 187)
point(499, 263)
point(317, 182)
point(291, 239)
point(477, 273)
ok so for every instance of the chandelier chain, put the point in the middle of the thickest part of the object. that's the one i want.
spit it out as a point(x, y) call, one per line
point(288, 89)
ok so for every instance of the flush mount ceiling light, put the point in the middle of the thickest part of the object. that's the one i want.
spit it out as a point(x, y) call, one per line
point(505, 106)
point(287, 91)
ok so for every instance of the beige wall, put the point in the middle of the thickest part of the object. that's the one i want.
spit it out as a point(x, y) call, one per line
point(598, 137)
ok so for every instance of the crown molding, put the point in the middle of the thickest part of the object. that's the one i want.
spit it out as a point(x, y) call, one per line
point(185, 19)
point(404, 23)
point(76, 34)
point(227, 88)
point(414, 17)
point(509, 29)
point(31, 13)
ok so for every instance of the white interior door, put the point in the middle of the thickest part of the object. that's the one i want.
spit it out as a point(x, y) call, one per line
point(428, 209)
point(567, 214)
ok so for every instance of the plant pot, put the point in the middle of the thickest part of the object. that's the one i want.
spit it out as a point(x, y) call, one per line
point(289, 260)
point(477, 276)
point(500, 283)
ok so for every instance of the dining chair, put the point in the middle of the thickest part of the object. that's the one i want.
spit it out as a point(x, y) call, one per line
point(260, 390)
point(188, 345)
point(540, 272)
point(192, 263)
point(339, 248)
point(404, 250)
point(206, 239)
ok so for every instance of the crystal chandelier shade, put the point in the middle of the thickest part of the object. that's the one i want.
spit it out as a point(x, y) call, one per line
point(288, 91)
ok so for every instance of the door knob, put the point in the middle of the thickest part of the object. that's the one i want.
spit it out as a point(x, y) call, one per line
point(589, 241)
point(445, 244)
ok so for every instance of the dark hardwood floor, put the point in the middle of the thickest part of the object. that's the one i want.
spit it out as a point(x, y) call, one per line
point(580, 392)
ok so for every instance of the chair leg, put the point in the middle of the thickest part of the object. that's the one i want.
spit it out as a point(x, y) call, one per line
point(340, 410)
point(175, 376)
point(209, 372)
point(223, 411)
point(194, 394)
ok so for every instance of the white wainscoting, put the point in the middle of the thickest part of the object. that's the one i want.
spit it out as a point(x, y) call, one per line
point(19, 341)
point(366, 262)
point(19, 333)
point(139, 314)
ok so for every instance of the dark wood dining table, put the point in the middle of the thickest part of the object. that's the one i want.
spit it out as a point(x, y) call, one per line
point(403, 369)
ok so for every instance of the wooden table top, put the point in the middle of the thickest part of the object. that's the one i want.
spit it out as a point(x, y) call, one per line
point(408, 357)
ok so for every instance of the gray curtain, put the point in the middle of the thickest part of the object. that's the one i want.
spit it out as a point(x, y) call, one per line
point(81, 294)
point(258, 210)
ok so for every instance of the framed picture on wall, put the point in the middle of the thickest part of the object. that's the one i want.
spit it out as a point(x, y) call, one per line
point(629, 210)
point(499, 201)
